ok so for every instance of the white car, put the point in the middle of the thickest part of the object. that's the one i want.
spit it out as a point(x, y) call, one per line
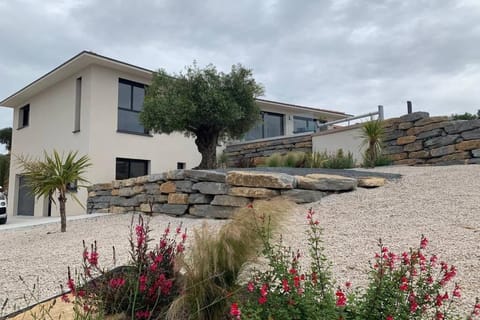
point(3, 208)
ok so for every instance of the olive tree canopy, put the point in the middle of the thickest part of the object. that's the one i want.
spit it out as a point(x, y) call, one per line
point(203, 103)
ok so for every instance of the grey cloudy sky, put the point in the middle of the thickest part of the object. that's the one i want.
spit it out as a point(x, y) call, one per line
point(346, 55)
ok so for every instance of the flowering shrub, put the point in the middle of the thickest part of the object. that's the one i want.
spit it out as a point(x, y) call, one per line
point(411, 285)
point(143, 289)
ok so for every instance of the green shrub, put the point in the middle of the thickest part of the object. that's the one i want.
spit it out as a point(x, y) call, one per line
point(275, 160)
point(336, 160)
point(383, 161)
point(372, 135)
point(466, 116)
point(294, 159)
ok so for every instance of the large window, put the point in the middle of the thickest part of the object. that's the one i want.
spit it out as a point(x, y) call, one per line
point(302, 124)
point(130, 103)
point(270, 126)
point(24, 116)
point(130, 168)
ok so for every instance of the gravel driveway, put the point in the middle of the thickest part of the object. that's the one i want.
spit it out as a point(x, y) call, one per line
point(441, 202)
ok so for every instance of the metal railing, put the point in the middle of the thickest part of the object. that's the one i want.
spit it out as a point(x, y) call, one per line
point(379, 112)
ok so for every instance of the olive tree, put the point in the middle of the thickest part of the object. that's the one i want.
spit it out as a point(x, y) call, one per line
point(203, 103)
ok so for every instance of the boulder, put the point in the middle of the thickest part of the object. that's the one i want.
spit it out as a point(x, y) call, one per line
point(428, 127)
point(406, 140)
point(152, 188)
point(468, 145)
point(120, 210)
point(471, 135)
point(462, 125)
point(141, 180)
point(168, 187)
point(260, 179)
point(415, 116)
point(208, 211)
point(158, 198)
point(101, 186)
point(476, 153)
point(303, 196)
point(145, 207)
point(405, 125)
point(473, 161)
point(398, 156)
point(394, 135)
point(438, 152)
point(429, 134)
point(326, 182)
point(422, 154)
point(184, 186)
point(176, 174)
point(157, 177)
point(253, 192)
point(205, 175)
point(230, 201)
point(210, 187)
point(371, 182)
point(427, 121)
point(392, 150)
point(417, 145)
point(199, 198)
point(124, 202)
point(173, 209)
point(441, 141)
point(177, 198)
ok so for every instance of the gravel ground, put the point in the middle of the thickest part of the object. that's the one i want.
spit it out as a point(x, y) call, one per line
point(440, 202)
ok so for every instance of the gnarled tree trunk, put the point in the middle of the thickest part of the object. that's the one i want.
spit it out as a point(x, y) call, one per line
point(207, 146)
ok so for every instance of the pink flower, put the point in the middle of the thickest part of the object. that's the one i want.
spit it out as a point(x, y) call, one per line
point(439, 316)
point(456, 291)
point(65, 298)
point(389, 317)
point(142, 283)
point(348, 284)
point(296, 281)
point(234, 310)
point(184, 237)
point(423, 242)
point(250, 287)
point(116, 283)
point(404, 284)
point(262, 300)
point(142, 314)
point(264, 290)
point(180, 248)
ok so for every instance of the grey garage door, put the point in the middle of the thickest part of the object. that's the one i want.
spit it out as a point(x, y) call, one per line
point(26, 200)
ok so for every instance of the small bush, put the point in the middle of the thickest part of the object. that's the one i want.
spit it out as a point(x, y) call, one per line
point(336, 160)
point(143, 289)
point(383, 161)
point(466, 116)
point(275, 160)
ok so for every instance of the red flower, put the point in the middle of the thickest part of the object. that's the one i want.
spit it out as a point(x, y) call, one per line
point(413, 302)
point(314, 278)
point(404, 284)
point(180, 248)
point(292, 271)
point(296, 281)
point(389, 317)
point(116, 283)
point(341, 298)
point(142, 314)
point(184, 237)
point(234, 311)
point(262, 300)
point(348, 284)
point(264, 290)
point(65, 298)
point(285, 285)
point(439, 316)
point(142, 283)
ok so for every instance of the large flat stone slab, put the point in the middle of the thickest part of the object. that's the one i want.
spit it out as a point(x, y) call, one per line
point(206, 175)
point(258, 193)
point(200, 198)
point(260, 179)
point(303, 196)
point(210, 187)
point(326, 182)
point(173, 209)
point(230, 201)
point(371, 182)
point(208, 211)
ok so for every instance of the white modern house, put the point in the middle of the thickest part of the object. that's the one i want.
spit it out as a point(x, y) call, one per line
point(91, 104)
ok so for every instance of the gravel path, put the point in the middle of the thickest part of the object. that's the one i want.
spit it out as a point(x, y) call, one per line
point(441, 202)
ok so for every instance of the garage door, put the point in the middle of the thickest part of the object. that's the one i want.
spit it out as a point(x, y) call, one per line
point(26, 200)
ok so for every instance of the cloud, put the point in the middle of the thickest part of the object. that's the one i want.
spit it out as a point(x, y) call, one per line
point(344, 55)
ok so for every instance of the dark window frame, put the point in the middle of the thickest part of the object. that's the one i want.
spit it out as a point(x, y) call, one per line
point(306, 119)
point(24, 121)
point(78, 105)
point(132, 85)
point(282, 124)
point(129, 162)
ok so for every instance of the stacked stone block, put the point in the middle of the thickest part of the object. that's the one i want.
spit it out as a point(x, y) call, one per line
point(251, 154)
point(417, 138)
point(208, 194)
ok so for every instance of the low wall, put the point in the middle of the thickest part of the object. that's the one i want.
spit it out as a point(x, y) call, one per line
point(417, 138)
point(346, 138)
point(210, 194)
point(251, 154)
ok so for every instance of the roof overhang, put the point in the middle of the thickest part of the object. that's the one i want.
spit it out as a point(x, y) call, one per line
point(297, 109)
point(67, 69)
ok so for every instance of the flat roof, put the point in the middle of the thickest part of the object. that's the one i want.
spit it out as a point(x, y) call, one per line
point(86, 58)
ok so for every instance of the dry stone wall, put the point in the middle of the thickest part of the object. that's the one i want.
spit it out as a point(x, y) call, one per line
point(210, 194)
point(251, 154)
point(417, 138)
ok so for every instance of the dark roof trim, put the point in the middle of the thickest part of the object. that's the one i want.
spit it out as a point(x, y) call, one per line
point(302, 107)
point(84, 52)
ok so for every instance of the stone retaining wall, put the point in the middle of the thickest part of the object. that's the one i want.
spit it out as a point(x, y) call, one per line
point(211, 194)
point(417, 138)
point(251, 154)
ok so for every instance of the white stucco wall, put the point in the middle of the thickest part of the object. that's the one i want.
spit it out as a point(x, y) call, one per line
point(347, 138)
point(51, 125)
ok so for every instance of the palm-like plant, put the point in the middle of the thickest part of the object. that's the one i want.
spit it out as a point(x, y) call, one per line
point(52, 176)
point(372, 135)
